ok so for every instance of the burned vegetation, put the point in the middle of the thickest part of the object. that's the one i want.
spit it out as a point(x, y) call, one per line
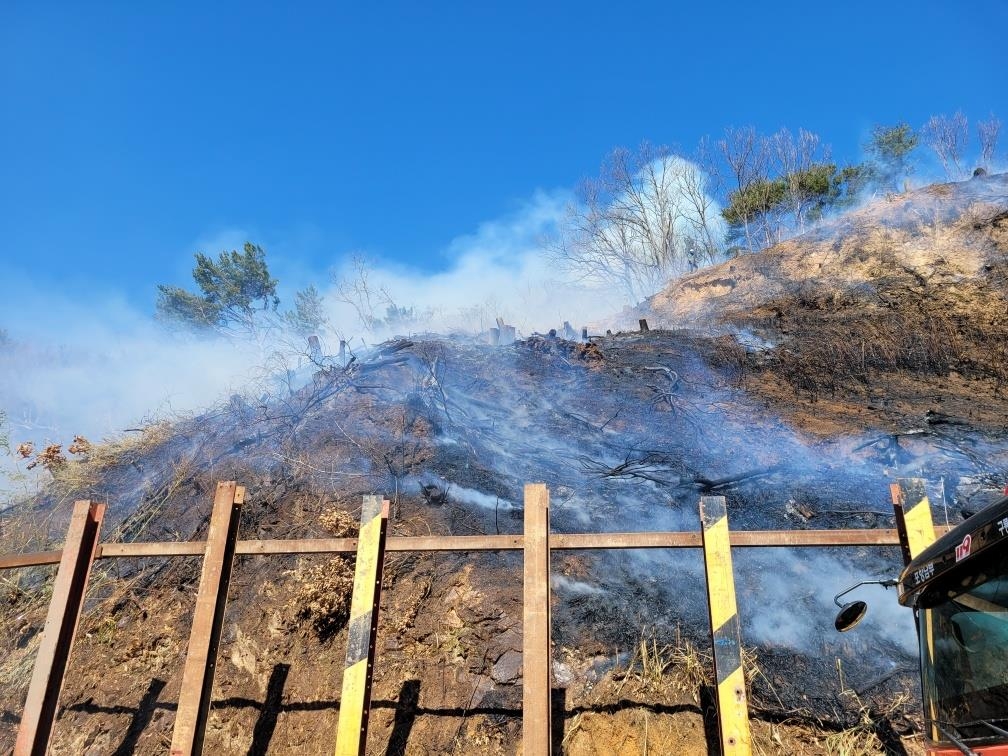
point(799, 409)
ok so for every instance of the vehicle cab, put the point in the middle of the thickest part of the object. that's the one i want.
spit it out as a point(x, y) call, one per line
point(958, 589)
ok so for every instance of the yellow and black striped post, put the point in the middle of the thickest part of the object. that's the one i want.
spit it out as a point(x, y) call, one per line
point(916, 532)
point(355, 701)
point(733, 711)
point(913, 516)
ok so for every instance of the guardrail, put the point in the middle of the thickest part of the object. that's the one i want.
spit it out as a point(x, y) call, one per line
point(82, 548)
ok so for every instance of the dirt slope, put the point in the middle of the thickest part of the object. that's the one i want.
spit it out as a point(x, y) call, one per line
point(892, 312)
point(828, 366)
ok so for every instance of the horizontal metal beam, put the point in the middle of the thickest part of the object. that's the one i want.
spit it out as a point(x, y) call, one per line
point(858, 537)
point(745, 538)
point(151, 549)
point(393, 543)
point(10, 561)
point(455, 543)
point(558, 541)
point(298, 546)
point(669, 540)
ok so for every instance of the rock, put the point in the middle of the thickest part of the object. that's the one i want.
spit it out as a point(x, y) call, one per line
point(507, 668)
point(563, 675)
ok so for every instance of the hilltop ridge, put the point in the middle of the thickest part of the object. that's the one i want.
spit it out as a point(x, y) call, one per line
point(872, 319)
point(929, 240)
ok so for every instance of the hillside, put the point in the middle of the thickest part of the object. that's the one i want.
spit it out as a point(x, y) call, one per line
point(798, 383)
point(891, 311)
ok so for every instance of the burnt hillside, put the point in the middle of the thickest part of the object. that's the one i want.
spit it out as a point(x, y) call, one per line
point(798, 383)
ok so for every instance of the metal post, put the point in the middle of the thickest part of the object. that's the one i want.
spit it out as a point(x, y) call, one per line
point(733, 712)
point(208, 618)
point(536, 661)
point(355, 701)
point(60, 628)
point(916, 532)
point(913, 516)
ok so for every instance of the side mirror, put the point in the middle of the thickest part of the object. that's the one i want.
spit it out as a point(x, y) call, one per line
point(852, 613)
point(849, 615)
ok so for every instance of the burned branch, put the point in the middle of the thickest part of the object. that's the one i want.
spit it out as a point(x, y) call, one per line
point(649, 468)
point(706, 485)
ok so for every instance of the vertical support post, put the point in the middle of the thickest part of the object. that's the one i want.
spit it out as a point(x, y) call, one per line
point(913, 516)
point(536, 661)
point(355, 701)
point(733, 711)
point(916, 532)
point(208, 619)
point(59, 630)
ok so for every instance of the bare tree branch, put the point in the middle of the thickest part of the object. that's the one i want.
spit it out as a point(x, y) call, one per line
point(988, 132)
point(645, 218)
point(948, 136)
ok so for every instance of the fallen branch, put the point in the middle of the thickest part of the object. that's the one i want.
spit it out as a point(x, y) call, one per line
point(645, 469)
point(671, 374)
point(713, 484)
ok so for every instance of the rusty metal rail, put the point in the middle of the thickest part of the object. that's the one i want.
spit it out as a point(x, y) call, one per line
point(59, 630)
point(208, 621)
point(683, 539)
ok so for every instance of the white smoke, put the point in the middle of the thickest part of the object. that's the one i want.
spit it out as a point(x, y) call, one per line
point(500, 270)
point(99, 365)
point(95, 366)
point(786, 599)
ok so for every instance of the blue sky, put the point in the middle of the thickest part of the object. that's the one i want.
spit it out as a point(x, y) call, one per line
point(128, 138)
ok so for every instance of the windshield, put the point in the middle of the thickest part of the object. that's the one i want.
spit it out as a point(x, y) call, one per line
point(964, 649)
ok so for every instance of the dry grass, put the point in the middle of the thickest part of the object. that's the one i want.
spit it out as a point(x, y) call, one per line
point(678, 670)
point(667, 671)
point(321, 596)
point(479, 734)
point(322, 592)
point(856, 741)
point(689, 667)
point(732, 358)
point(338, 522)
point(92, 459)
point(24, 600)
point(861, 739)
point(828, 351)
